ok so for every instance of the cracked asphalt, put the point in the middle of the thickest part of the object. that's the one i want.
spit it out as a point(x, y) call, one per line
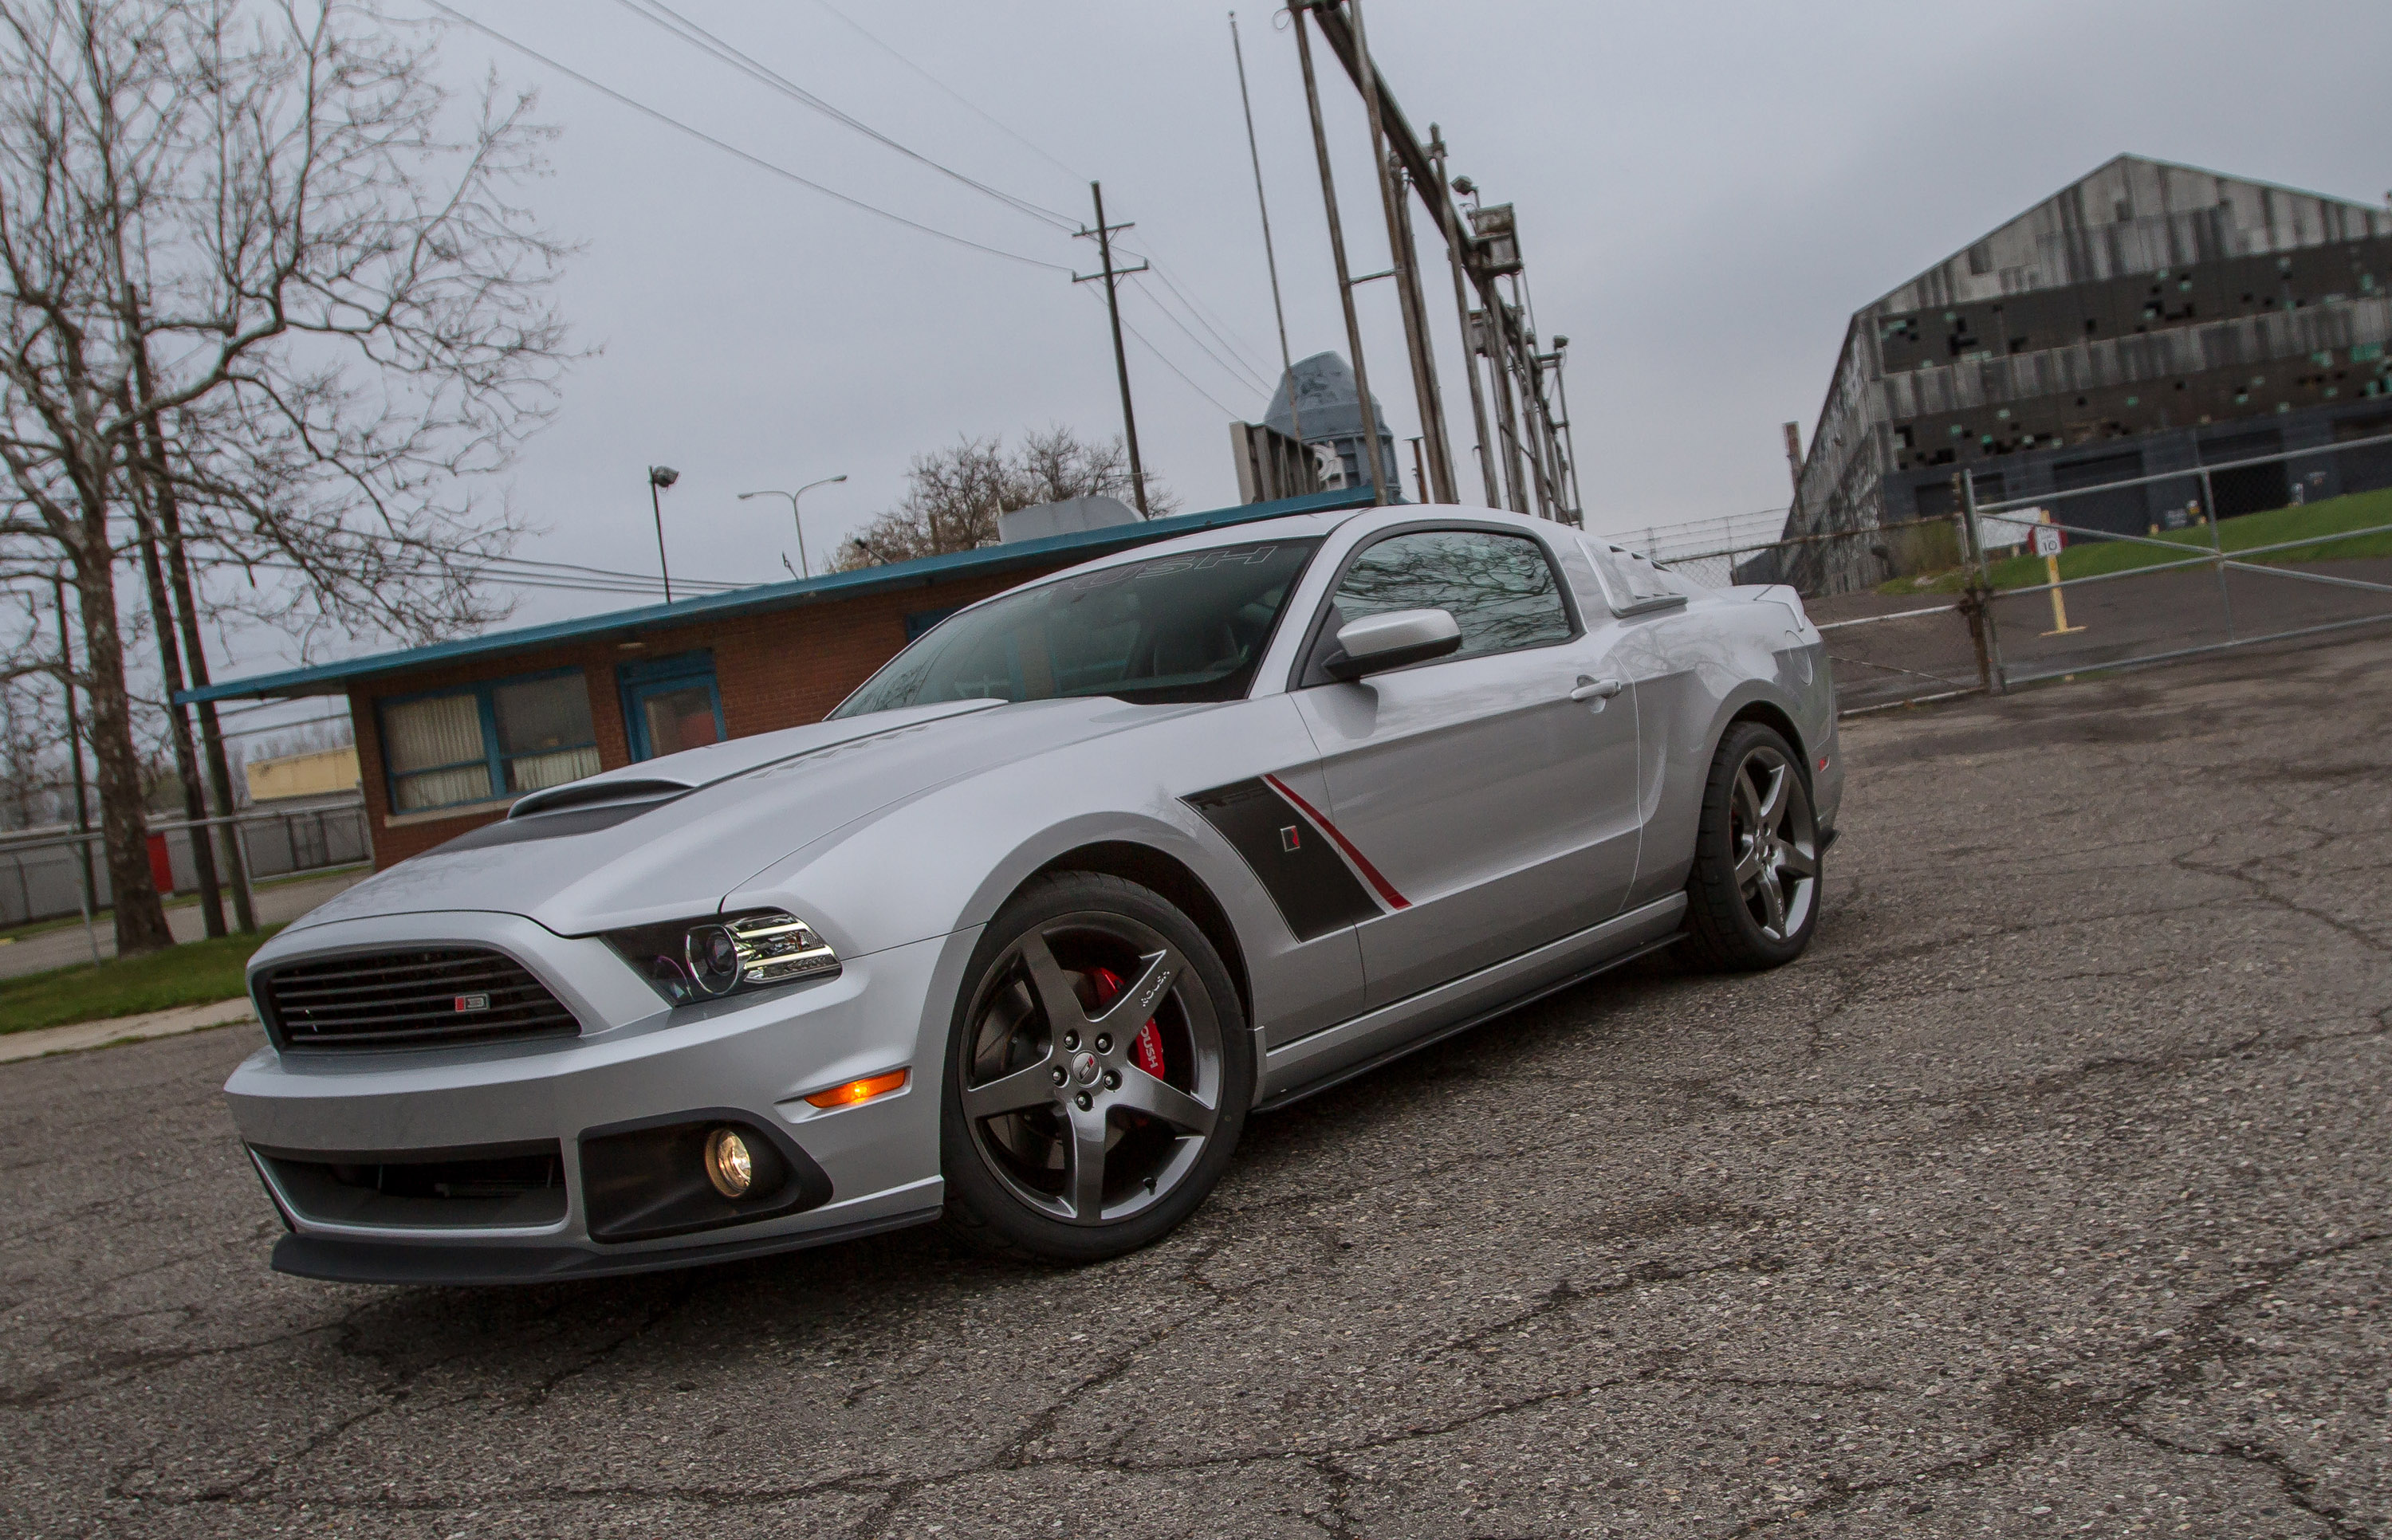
point(2047, 1195)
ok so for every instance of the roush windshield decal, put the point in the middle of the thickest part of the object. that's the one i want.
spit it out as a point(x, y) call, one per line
point(1296, 853)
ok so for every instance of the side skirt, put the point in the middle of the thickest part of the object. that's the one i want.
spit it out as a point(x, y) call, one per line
point(1330, 1057)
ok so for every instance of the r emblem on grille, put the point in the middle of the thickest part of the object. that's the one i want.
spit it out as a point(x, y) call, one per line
point(472, 1002)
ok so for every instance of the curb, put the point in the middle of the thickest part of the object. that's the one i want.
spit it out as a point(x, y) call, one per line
point(40, 1043)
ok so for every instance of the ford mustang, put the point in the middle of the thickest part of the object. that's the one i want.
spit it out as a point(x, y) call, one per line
point(1023, 934)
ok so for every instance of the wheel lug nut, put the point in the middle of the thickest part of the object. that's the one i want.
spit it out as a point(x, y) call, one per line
point(1071, 1042)
point(1084, 1100)
point(1104, 1043)
point(1113, 1080)
point(1060, 1077)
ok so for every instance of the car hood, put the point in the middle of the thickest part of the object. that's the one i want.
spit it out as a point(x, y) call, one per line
point(665, 840)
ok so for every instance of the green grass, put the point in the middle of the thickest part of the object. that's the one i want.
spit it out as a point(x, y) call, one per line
point(194, 974)
point(2098, 558)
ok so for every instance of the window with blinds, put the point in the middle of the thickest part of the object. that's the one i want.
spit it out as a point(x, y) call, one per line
point(487, 741)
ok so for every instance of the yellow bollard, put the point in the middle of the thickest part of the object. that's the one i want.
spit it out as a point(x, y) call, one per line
point(2048, 542)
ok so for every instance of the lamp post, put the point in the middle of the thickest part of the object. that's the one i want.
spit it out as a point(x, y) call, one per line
point(803, 570)
point(661, 477)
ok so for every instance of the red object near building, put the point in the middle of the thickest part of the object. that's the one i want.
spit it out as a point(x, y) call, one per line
point(162, 865)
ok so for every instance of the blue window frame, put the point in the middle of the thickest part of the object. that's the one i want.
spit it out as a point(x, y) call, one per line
point(670, 704)
point(482, 741)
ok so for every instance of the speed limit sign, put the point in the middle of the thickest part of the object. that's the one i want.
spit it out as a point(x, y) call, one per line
point(2048, 540)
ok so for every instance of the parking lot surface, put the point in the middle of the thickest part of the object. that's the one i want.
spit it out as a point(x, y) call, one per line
point(2046, 1196)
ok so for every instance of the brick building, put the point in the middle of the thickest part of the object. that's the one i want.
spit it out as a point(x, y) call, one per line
point(447, 736)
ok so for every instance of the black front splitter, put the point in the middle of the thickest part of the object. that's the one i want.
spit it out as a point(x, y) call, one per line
point(478, 1266)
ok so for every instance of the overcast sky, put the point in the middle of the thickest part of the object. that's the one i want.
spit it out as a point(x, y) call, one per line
point(1705, 195)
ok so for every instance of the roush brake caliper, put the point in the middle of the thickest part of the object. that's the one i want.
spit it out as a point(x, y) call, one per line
point(1148, 1046)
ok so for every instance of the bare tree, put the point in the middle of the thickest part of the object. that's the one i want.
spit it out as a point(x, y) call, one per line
point(953, 497)
point(261, 273)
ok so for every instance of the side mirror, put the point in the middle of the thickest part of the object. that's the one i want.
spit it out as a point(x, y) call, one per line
point(1396, 640)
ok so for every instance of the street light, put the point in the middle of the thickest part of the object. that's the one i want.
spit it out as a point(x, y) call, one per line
point(661, 477)
point(803, 571)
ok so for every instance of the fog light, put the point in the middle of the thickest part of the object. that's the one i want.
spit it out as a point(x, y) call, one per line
point(729, 1165)
point(854, 1092)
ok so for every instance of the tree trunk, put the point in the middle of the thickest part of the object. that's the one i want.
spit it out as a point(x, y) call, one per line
point(140, 916)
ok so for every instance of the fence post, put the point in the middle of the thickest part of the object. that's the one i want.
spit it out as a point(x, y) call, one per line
point(1977, 597)
point(84, 894)
point(2217, 552)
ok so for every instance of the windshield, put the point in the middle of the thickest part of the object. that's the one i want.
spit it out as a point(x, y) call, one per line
point(1190, 626)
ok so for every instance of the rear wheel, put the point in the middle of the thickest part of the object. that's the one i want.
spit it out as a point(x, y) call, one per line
point(1098, 1075)
point(1752, 899)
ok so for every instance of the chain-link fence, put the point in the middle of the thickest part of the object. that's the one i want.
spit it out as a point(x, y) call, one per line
point(43, 876)
point(2185, 561)
point(1888, 598)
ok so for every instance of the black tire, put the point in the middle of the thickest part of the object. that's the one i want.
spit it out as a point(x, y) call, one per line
point(1017, 1182)
point(1741, 881)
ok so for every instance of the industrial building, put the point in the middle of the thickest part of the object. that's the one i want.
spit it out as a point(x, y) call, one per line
point(1331, 408)
point(2147, 319)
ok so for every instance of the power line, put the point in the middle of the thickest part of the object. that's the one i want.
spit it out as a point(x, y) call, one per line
point(783, 172)
point(1231, 370)
point(1164, 360)
point(657, 14)
point(984, 115)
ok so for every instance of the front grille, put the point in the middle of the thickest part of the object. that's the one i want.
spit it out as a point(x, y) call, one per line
point(408, 999)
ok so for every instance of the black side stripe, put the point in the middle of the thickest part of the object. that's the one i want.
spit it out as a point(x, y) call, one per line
point(1315, 891)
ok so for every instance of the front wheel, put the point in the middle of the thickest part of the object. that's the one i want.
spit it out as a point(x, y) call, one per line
point(1098, 1075)
point(1752, 899)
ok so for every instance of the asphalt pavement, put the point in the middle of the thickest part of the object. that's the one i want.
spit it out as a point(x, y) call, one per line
point(2045, 1196)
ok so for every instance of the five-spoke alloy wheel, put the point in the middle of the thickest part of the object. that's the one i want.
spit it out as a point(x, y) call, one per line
point(1098, 1073)
point(1753, 895)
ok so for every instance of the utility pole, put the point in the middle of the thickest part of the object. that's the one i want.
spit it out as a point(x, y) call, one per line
point(1279, 312)
point(1453, 245)
point(1430, 404)
point(74, 750)
point(1369, 458)
point(1112, 276)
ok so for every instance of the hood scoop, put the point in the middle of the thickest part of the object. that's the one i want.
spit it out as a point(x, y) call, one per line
point(598, 791)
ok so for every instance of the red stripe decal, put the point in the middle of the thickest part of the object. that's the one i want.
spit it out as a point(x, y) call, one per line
point(1387, 889)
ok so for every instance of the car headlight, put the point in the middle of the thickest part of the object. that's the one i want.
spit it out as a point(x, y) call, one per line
point(707, 958)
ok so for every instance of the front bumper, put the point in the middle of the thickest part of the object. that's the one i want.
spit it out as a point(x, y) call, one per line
point(754, 1056)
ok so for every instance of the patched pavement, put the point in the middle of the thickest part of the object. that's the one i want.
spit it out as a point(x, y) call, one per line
point(2047, 1195)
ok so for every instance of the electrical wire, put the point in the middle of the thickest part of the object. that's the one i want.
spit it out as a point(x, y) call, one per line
point(1245, 381)
point(1222, 333)
point(1165, 361)
point(657, 14)
point(759, 162)
point(1243, 353)
point(984, 115)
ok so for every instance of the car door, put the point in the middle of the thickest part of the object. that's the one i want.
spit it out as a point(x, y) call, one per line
point(1487, 797)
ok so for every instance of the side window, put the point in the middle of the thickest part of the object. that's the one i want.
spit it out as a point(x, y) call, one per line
point(1499, 589)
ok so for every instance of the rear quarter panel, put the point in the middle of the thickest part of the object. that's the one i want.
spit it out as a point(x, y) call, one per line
point(1697, 668)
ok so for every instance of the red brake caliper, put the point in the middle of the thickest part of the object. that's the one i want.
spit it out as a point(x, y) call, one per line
point(1150, 1037)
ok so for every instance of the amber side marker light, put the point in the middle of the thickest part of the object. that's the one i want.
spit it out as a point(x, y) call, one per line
point(857, 1092)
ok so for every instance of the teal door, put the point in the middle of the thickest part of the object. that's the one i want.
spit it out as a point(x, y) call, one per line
point(670, 705)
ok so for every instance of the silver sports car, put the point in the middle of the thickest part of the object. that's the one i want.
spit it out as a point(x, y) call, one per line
point(1026, 929)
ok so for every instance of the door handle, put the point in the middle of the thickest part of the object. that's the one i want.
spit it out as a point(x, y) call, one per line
point(1596, 690)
